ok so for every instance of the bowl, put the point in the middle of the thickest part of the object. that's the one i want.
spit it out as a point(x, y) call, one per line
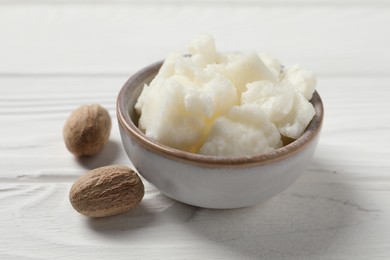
point(212, 181)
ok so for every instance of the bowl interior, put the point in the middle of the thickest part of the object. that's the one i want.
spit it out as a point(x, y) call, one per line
point(128, 119)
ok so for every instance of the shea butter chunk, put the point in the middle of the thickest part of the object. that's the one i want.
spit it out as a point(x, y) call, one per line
point(247, 68)
point(202, 50)
point(165, 117)
point(302, 80)
point(274, 99)
point(244, 130)
point(295, 123)
point(169, 66)
point(223, 93)
point(274, 65)
point(285, 107)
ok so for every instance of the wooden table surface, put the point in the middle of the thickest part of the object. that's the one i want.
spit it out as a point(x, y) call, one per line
point(57, 55)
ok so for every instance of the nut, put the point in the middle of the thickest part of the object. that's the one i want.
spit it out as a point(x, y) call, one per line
point(87, 130)
point(106, 191)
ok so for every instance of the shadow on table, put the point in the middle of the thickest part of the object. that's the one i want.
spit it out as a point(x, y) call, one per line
point(106, 157)
point(311, 217)
point(156, 210)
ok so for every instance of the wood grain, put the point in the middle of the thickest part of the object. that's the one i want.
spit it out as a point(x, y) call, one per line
point(57, 55)
point(325, 214)
point(337, 209)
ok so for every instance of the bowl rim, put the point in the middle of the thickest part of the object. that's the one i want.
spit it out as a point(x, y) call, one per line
point(289, 150)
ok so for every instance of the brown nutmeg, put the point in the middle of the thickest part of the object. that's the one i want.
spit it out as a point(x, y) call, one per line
point(87, 129)
point(106, 191)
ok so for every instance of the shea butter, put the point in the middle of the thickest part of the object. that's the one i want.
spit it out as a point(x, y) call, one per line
point(225, 104)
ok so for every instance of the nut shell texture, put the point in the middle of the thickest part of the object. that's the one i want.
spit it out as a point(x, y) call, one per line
point(87, 130)
point(106, 191)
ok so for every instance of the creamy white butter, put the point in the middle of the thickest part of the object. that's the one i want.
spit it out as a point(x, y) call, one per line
point(225, 104)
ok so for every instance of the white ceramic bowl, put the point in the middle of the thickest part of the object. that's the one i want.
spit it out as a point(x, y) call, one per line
point(210, 181)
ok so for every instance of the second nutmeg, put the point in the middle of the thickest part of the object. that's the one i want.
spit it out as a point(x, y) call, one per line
point(87, 130)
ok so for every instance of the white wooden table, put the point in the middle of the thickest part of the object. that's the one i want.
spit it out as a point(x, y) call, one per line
point(57, 55)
